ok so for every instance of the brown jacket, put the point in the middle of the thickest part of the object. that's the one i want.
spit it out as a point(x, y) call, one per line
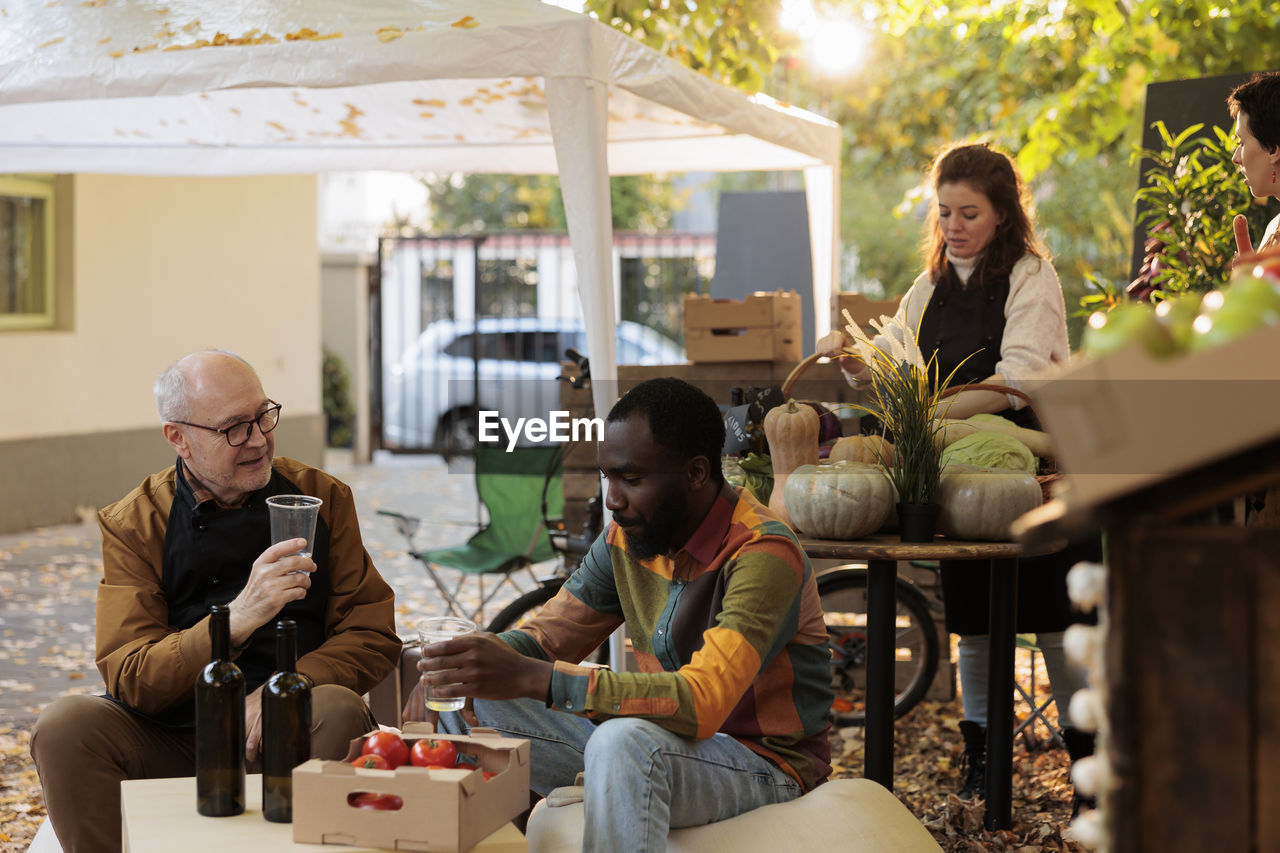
point(151, 666)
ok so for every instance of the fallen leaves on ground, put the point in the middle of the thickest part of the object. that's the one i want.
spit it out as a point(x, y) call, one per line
point(21, 804)
point(927, 750)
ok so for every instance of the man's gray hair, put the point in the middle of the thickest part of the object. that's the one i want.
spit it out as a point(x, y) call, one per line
point(173, 395)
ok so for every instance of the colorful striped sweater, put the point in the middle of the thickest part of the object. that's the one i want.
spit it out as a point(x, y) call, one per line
point(728, 636)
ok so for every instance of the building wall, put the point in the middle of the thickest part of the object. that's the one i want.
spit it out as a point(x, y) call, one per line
point(344, 278)
point(148, 270)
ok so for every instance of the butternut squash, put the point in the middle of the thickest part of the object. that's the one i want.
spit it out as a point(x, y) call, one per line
point(873, 449)
point(792, 432)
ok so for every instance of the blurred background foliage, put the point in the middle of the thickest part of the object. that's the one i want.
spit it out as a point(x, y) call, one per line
point(1059, 84)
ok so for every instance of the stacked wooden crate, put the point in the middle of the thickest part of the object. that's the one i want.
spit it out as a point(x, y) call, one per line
point(761, 327)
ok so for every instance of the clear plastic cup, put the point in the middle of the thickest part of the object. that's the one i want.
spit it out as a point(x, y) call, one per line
point(437, 629)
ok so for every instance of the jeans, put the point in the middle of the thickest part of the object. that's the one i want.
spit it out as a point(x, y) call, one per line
point(1064, 679)
point(640, 780)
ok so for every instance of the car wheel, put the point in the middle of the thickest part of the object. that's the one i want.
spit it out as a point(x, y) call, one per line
point(456, 434)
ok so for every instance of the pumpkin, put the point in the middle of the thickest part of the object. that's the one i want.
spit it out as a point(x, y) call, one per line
point(863, 448)
point(981, 503)
point(792, 432)
point(840, 500)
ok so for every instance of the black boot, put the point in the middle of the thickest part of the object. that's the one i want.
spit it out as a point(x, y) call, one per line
point(974, 761)
point(1079, 745)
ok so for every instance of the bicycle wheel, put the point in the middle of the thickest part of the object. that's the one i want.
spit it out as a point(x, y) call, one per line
point(843, 594)
point(526, 605)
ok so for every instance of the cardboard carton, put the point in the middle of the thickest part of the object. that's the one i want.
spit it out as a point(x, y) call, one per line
point(862, 309)
point(442, 810)
point(761, 327)
point(1127, 420)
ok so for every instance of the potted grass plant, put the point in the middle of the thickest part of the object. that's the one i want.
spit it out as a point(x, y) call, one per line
point(904, 392)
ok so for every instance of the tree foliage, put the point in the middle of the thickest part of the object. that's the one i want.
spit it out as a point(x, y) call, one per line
point(1060, 84)
point(470, 203)
point(1191, 197)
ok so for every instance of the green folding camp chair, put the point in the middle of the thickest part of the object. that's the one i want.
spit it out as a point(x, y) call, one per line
point(1037, 707)
point(513, 487)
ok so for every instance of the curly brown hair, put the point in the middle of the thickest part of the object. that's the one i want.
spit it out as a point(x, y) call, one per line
point(993, 174)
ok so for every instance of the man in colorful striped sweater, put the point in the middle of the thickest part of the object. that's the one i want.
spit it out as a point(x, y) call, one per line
point(729, 709)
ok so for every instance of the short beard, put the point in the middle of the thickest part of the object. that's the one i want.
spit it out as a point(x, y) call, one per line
point(654, 538)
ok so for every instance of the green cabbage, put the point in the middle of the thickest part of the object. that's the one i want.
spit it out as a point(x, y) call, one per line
point(991, 450)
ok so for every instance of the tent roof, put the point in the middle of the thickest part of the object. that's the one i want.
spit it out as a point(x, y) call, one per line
point(200, 87)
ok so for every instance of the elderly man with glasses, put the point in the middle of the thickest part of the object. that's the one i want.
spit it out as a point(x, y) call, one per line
point(189, 537)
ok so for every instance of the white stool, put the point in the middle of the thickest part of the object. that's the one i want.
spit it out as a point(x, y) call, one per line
point(850, 815)
point(45, 841)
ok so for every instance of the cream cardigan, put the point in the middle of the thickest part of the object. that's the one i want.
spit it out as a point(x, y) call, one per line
point(1035, 333)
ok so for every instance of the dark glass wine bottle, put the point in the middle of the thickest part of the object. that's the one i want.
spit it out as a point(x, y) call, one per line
point(220, 725)
point(286, 726)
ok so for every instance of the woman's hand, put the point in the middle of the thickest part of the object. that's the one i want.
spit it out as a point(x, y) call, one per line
point(831, 345)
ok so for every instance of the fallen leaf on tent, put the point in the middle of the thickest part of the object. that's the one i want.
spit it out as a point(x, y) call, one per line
point(466, 22)
point(308, 34)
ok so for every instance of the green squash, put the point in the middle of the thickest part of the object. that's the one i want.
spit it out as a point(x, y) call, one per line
point(981, 503)
point(841, 500)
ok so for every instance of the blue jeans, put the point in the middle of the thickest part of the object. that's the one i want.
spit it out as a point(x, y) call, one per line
point(640, 779)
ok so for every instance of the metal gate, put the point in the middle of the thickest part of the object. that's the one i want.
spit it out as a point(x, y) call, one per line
point(464, 324)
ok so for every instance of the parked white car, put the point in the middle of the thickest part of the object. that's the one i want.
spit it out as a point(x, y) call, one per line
point(430, 393)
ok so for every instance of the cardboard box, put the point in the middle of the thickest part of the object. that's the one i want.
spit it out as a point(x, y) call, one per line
point(862, 309)
point(1128, 420)
point(443, 810)
point(761, 327)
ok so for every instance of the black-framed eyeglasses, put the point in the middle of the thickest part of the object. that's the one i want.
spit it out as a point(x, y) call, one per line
point(238, 433)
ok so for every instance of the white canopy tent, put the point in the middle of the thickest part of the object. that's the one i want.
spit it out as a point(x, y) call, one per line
point(199, 87)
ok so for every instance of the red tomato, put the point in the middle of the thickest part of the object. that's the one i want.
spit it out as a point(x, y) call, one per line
point(389, 745)
point(372, 762)
point(428, 751)
point(370, 800)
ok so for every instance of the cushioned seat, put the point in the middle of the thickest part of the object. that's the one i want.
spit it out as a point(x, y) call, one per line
point(850, 815)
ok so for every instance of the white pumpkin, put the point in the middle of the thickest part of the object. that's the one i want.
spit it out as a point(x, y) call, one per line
point(981, 503)
point(841, 500)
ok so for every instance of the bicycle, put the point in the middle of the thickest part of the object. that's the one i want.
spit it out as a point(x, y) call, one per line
point(842, 592)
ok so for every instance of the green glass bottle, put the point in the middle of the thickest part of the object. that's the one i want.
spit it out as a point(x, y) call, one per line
point(286, 725)
point(220, 762)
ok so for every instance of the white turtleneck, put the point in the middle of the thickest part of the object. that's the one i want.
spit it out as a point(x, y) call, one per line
point(1035, 331)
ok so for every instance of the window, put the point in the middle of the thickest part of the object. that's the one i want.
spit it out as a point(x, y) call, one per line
point(26, 253)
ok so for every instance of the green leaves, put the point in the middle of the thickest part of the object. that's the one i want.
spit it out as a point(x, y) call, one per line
point(1191, 193)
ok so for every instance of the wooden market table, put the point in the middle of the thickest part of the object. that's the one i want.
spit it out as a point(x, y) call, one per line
point(1191, 644)
point(882, 553)
point(159, 815)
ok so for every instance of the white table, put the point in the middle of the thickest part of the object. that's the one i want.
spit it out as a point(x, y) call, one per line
point(159, 816)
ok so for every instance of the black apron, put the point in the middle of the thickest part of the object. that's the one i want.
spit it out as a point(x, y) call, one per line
point(964, 327)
